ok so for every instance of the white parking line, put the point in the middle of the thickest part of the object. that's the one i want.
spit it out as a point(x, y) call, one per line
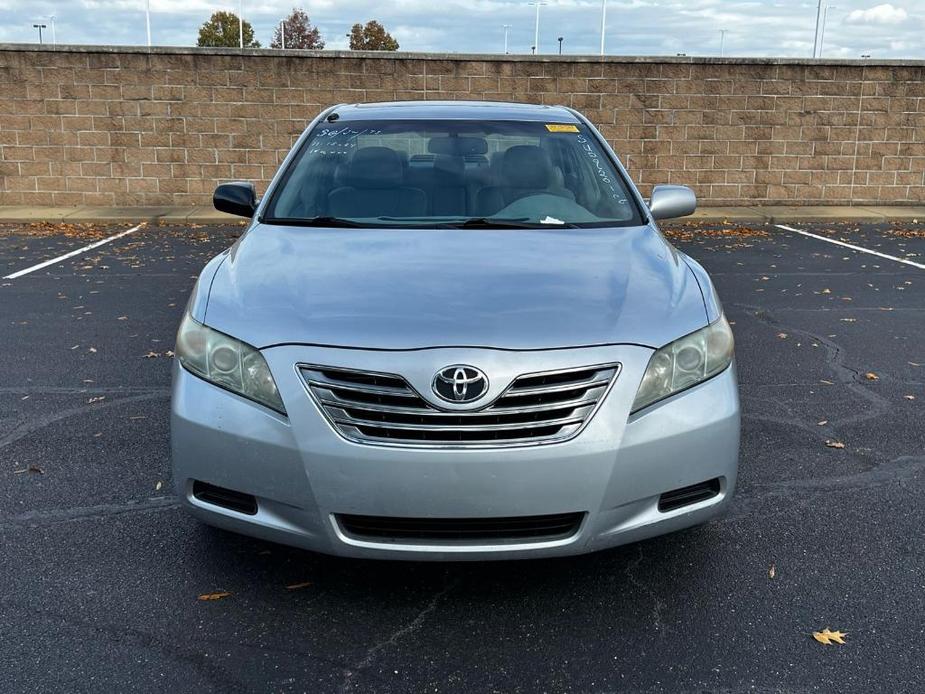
point(860, 249)
point(90, 247)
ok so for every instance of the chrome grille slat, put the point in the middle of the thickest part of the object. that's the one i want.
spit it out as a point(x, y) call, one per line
point(384, 409)
point(342, 417)
point(427, 411)
point(600, 383)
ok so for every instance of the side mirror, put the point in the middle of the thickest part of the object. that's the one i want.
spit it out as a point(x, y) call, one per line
point(668, 202)
point(238, 198)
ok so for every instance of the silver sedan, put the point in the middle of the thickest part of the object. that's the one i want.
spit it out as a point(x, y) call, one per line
point(453, 330)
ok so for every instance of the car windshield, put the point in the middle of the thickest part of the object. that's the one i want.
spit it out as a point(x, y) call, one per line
point(452, 173)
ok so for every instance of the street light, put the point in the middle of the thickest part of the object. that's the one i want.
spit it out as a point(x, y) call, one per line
point(54, 34)
point(825, 15)
point(722, 41)
point(39, 27)
point(816, 37)
point(560, 45)
point(506, 27)
point(241, 22)
point(603, 23)
point(536, 27)
point(148, 21)
point(282, 32)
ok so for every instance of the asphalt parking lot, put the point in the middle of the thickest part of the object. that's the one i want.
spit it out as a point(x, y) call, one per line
point(101, 571)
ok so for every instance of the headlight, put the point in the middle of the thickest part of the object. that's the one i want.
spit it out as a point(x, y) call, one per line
point(686, 362)
point(227, 363)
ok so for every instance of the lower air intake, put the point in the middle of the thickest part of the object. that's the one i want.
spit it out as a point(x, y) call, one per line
point(454, 530)
point(685, 496)
point(226, 498)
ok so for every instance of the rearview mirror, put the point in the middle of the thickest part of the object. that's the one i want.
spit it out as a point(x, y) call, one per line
point(238, 197)
point(668, 202)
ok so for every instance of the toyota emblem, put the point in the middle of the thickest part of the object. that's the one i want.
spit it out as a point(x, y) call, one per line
point(460, 383)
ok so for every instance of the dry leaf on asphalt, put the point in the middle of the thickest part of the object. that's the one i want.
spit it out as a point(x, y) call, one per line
point(214, 596)
point(823, 422)
point(298, 586)
point(871, 376)
point(782, 336)
point(150, 355)
point(772, 572)
point(834, 444)
point(909, 397)
point(826, 637)
point(157, 487)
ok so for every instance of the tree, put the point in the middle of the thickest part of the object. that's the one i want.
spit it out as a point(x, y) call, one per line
point(372, 37)
point(222, 30)
point(299, 32)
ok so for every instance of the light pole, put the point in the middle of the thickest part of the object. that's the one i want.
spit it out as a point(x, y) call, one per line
point(603, 23)
point(39, 27)
point(282, 33)
point(722, 42)
point(54, 34)
point(816, 37)
point(506, 28)
point(536, 27)
point(560, 45)
point(148, 20)
point(825, 16)
point(241, 22)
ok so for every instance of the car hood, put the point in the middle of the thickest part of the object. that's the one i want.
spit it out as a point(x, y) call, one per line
point(407, 289)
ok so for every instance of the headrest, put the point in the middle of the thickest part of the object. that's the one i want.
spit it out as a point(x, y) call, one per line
point(526, 166)
point(449, 166)
point(375, 167)
point(457, 146)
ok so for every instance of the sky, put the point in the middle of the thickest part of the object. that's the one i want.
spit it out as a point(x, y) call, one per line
point(634, 27)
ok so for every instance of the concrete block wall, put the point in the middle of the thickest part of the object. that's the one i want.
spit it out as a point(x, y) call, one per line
point(132, 126)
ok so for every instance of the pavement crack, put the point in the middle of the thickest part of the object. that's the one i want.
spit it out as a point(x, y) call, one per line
point(849, 376)
point(357, 668)
point(23, 430)
point(53, 517)
point(657, 603)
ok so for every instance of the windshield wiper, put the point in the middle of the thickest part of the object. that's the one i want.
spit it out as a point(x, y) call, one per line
point(312, 221)
point(501, 223)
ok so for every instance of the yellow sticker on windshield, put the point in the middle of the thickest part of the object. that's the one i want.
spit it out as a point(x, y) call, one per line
point(561, 128)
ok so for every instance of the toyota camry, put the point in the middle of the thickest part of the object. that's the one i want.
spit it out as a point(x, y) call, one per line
point(454, 330)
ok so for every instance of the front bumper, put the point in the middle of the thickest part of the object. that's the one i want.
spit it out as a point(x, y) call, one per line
point(303, 474)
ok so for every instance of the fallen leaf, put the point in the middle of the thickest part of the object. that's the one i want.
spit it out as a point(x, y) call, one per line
point(157, 487)
point(826, 291)
point(150, 355)
point(871, 376)
point(826, 637)
point(298, 586)
point(93, 349)
point(909, 397)
point(823, 422)
point(99, 398)
point(782, 336)
point(772, 572)
point(214, 596)
point(834, 444)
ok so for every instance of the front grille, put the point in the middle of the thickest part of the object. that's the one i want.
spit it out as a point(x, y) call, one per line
point(474, 530)
point(384, 409)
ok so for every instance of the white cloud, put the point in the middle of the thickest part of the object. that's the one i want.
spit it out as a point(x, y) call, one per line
point(881, 14)
point(755, 28)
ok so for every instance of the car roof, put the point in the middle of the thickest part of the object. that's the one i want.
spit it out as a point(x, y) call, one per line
point(461, 110)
